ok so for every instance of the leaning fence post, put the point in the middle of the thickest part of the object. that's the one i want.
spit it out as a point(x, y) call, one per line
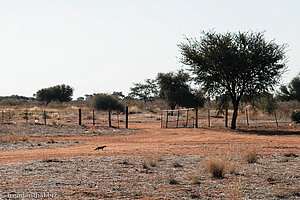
point(275, 118)
point(79, 116)
point(126, 117)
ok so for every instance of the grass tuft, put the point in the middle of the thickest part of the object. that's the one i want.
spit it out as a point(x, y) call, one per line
point(216, 167)
point(251, 157)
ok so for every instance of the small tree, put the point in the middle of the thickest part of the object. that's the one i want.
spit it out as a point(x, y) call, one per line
point(292, 91)
point(108, 103)
point(144, 91)
point(175, 90)
point(61, 93)
point(235, 64)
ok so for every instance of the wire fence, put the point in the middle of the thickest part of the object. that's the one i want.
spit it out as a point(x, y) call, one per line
point(194, 118)
point(62, 117)
point(180, 118)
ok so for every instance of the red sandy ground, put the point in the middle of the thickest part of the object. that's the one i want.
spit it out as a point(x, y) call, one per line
point(150, 139)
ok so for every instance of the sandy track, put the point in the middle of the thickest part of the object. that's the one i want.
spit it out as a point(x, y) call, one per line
point(150, 139)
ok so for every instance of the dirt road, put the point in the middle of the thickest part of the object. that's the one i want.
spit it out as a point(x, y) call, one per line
point(150, 139)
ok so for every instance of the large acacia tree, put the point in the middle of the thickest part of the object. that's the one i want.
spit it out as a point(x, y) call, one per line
point(236, 64)
point(61, 93)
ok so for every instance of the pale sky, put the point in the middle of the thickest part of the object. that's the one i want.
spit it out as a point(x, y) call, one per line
point(107, 45)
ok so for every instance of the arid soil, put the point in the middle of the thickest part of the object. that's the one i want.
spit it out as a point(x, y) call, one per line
point(141, 163)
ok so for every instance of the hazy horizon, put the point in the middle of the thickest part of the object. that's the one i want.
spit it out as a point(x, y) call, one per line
point(101, 46)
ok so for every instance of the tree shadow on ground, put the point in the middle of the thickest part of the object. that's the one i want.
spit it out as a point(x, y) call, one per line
point(269, 132)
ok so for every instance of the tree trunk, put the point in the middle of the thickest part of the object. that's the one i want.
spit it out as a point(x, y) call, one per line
point(109, 118)
point(235, 114)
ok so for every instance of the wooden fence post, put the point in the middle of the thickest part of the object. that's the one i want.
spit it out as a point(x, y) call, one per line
point(161, 120)
point(45, 117)
point(177, 119)
point(226, 117)
point(208, 117)
point(196, 117)
point(118, 120)
point(93, 118)
point(79, 116)
point(2, 117)
point(26, 116)
point(167, 118)
point(187, 118)
point(276, 118)
point(247, 118)
point(126, 117)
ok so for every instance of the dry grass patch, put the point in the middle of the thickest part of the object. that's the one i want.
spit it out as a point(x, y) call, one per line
point(12, 138)
point(251, 157)
point(194, 180)
point(147, 162)
point(215, 166)
point(172, 180)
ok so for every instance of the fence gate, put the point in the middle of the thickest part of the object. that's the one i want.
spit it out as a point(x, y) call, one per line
point(179, 118)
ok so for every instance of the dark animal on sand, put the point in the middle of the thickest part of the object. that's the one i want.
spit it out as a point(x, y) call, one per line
point(102, 147)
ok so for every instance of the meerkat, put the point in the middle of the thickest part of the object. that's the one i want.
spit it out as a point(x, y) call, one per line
point(102, 147)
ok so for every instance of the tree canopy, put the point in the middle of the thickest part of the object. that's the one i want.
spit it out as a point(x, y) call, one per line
point(61, 93)
point(106, 102)
point(236, 64)
point(145, 91)
point(292, 91)
point(174, 88)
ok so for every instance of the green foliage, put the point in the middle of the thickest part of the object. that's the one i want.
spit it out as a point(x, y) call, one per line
point(144, 91)
point(175, 90)
point(267, 103)
point(237, 64)
point(119, 95)
point(292, 91)
point(296, 116)
point(61, 93)
point(106, 102)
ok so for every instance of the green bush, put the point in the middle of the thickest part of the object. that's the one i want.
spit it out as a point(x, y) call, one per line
point(296, 116)
point(108, 103)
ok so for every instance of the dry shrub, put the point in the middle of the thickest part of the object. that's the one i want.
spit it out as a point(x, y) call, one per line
point(231, 164)
point(193, 179)
point(251, 157)
point(158, 158)
point(216, 167)
point(177, 165)
point(145, 164)
point(172, 180)
point(94, 131)
point(152, 161)
point(12, 138)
